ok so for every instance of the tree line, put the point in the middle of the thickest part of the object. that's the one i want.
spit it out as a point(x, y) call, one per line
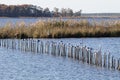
point(27, 10)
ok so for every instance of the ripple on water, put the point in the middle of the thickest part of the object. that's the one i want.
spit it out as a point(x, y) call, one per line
point(15, 65)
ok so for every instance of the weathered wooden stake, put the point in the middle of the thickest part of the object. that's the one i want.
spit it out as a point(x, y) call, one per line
point(105, 59)
point(118, 67)
point(112, 65)
point(69, 51)
point(108, 60)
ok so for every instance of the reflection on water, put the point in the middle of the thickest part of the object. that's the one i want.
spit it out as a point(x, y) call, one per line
point(16, 65)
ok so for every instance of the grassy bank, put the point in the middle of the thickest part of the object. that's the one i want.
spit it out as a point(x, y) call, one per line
point(60, 29)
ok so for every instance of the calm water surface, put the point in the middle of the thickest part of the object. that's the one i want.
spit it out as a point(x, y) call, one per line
point(16, 65)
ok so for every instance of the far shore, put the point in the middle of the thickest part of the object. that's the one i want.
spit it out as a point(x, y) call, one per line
point(67, 17)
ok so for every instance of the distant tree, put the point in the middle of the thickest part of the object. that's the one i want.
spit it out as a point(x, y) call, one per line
point(63, 12)
point(3, 9)
point(56, 12)
point(47, 12)
point(69, 12)
point(26, 10)
point(78, 13)
point(56, 9)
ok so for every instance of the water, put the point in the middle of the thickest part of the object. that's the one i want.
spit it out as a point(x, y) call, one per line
point(16, 65)
point(111, 45)
point(4, 21)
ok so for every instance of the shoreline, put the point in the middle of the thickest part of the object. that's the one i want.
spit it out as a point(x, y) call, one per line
point(109, 17)
point(66, 37)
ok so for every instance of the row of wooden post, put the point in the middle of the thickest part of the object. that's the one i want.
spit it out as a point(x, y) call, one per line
point(81, 53)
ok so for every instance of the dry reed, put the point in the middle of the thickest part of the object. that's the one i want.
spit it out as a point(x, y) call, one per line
point(60, 29)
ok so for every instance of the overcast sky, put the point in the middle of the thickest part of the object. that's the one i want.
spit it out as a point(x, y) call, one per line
point(87, 6)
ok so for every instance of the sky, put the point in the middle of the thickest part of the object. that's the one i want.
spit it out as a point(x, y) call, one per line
point(87, 6)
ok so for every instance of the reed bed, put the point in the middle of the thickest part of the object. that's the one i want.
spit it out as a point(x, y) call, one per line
point(60, 29)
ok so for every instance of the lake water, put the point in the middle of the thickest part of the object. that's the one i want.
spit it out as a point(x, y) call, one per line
point(16, 65)
point(4, 21)
point(111, 45)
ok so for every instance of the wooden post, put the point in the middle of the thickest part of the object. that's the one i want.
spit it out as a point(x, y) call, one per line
point(55, 49)
point(118, 67)
point(37, 47)
point(63, 50)
point(78, 52)
point(42, 47)
point(96, 58)
point(75, 52)
point(36, 42)
point(108, 60)
point(25, 45)
point(72, 52)
point(18, 44)
point(91, 56)
point(59, 49)
point(51, 48)
point(31, 45)
point(47, 47)
point(83, 54)
point(99, 58)
point(12, 44)
point(34, 45)
point(88, 55)
point(1, 42)
point(112, 65)
point(105, 59)
point(69, 50)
